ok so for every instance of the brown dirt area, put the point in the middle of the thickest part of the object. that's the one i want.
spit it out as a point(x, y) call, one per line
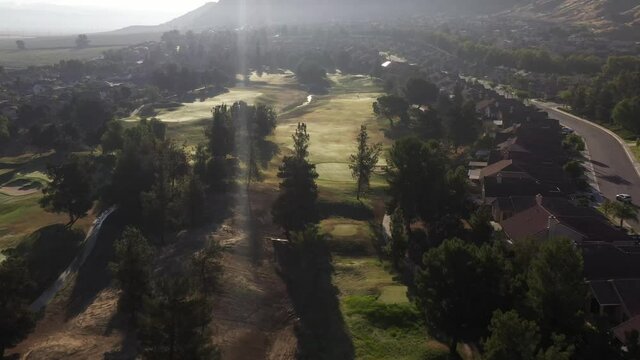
point(253, 315)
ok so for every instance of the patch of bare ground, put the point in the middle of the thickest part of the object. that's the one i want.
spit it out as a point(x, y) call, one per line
point(253, 315)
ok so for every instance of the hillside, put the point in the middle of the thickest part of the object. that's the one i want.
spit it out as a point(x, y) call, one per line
point(236, 13)
point(618, 17)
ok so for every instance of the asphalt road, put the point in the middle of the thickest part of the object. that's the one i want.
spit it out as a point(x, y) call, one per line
point(615, 173)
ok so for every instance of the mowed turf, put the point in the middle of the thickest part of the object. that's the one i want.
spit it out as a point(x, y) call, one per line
point(20, 211)
point(186, 124)
point(333, 122)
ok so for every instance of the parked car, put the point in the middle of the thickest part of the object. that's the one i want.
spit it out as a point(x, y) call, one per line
point(625, 198)
point(566, 130)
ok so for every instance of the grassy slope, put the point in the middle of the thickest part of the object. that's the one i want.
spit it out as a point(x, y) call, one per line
point(367, 290)
point(22, 215)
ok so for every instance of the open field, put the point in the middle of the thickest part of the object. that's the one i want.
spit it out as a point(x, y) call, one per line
point(13, 58)
point(48, 50)
point(21, 179)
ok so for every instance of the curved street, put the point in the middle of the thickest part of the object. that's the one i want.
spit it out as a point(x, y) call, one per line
point(615, 173)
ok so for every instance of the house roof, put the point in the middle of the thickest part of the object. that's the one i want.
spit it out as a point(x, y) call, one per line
point(516, 184)
point(604, 292)
point(624, 292)
point(620, 331)
point(589, 223)
point(495, 168)
point(603, 261)
point(528, 223)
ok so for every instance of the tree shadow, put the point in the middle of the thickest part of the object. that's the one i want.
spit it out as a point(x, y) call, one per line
point(347, 209)
point(616, 179)
point(95, 275)
point(598, 163)
point(267, 150)
point(321, 330)
point(129, 344)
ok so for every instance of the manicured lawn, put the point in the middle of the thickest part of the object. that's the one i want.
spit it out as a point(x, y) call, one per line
point(20, 212)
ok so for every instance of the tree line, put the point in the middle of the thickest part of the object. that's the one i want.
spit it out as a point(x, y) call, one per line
point(535, 60)
point(613, 96)
point(160, 188)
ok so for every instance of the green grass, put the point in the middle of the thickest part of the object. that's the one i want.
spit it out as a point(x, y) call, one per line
point(382, 322)
point(20, 213)
point(37, 57)
point(347, 236)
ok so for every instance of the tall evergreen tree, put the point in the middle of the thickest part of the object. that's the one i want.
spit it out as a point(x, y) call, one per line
point(132, 270)
point(295, 207)
point(364, 161)
point(175, 324)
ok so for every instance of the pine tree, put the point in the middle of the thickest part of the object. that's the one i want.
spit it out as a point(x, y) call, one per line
point(296, 205)
point(132, 270)
point(175, 324)
point(364, 161)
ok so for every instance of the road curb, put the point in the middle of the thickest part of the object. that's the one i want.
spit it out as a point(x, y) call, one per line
point(627, 150)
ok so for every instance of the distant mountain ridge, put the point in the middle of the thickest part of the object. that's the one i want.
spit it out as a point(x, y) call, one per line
point(236, 13)
point(612, 16)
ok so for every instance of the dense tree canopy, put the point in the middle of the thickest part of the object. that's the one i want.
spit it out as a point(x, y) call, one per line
point(132, 270)
point(458, 288)
point(556, 288)
point(70, 190)
point(16, 320)
point(420, 91)
point(512, 337)
point(416, 175)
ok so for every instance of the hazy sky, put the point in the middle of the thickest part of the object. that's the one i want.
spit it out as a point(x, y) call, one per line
point(36, 17)
point(169, 6)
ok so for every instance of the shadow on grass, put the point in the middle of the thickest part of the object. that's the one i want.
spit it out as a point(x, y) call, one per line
point(47, 252)
point(347, 209)
point(266, 151)
point(321, 330)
